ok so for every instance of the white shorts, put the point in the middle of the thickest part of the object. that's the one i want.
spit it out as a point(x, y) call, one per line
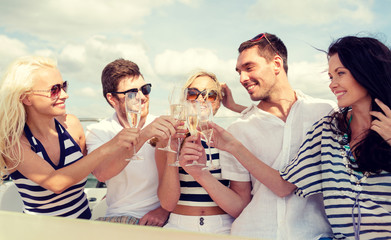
point(210, 224)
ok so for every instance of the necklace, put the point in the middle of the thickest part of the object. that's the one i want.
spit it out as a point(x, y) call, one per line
point(346, 153)
point(349, 161)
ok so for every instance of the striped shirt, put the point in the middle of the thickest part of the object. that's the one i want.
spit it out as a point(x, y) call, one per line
point(192, 193)
point(39, 201)
point(319, 168)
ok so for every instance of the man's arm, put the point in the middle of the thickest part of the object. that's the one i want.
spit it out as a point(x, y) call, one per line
point(156, 217)
point(160, 128)
point(267, 175)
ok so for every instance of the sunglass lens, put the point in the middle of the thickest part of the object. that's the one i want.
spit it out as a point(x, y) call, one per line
point(146, 89)
point(212, 96)
point(65, 86)
point(54, 91)
point(192, 95)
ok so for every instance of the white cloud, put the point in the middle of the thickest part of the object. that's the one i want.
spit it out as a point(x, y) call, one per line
point(309, 12)
point(311, 78)
point(87, 92)
point(85, 61)
point(64, 20)
point(10, 49)
point(172, 62)
point(44, 52)
point(74, 53)
point(175, 63)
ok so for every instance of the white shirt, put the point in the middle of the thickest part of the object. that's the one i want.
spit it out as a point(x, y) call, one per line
point(276, 142)
point(133, 192)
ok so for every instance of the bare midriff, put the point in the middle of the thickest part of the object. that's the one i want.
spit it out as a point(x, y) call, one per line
point(198, 211)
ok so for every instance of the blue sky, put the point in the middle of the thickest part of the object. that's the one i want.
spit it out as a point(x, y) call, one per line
point(168, 39)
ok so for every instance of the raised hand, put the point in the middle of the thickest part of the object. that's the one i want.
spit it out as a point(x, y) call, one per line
point(124, 141)
point(382, 125)
point(192, 150)
point(221, 138)
point(228, 100)
point(162, 128)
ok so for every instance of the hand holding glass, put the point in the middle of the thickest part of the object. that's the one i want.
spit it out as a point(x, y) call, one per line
point(133, 112)
point(175, 100)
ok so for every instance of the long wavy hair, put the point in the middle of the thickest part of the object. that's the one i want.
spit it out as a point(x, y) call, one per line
point(369, 61)
point(18, 79)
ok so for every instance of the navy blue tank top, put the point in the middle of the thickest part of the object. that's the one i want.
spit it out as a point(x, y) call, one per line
point(192, 193)
point(37, 200)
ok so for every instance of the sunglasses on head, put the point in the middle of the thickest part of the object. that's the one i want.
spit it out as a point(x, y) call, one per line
point(194, 93)
point(54, 91)
point(145, 89)
point(259, 37)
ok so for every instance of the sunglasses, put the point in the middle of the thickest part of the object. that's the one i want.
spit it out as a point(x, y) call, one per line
point(145, 89)
point(54, 91)
point(259, 37)
point(194, 93)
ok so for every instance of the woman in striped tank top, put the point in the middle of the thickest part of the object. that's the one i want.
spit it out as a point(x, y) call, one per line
point(42, 147)
point(346, 156)
point(192, 195)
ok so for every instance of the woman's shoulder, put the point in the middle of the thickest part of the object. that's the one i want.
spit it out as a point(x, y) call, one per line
point(72, 124)
point(69, 121)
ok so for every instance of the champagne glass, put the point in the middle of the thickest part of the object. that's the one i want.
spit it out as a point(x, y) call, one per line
point(178, 112)
point(205, 116)
point(192, 110)
point(180, 117)
point(133, 113)
point(176, 108)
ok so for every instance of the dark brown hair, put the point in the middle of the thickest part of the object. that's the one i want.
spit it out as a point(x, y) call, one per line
point(114, 72)
point(268, 47)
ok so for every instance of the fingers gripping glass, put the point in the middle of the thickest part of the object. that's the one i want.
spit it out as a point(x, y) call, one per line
point(175, 100)
point(194, 93)
point(54, 92)
point(133, 112)
point(261, 36)
point(145, 89)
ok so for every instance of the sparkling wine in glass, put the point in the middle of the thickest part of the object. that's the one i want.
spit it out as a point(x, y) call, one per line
point(206, 116)
point(192, 110)
point(133, 113)
point(178, 112)
point(175, 100)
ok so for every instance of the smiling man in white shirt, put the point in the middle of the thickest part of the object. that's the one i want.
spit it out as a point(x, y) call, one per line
point(131, 185)
point(273, 131)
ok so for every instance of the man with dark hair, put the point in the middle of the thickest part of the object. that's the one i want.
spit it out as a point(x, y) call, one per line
point(131, 185)
point(273, 131)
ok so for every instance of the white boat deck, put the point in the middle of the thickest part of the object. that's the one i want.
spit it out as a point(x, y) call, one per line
point(16, 226)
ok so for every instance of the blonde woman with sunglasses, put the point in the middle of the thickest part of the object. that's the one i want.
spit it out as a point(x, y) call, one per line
point(42, 147)
point(189, 192)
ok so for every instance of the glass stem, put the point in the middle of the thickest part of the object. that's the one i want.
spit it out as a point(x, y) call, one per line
point(178, 148)
point(210, 156)
point(169, 143)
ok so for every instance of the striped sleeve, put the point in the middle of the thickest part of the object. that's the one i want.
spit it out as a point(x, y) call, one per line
point(305, 170)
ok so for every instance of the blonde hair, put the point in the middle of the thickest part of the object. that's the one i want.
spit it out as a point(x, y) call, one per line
point(203, 73)
point(18, 79)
